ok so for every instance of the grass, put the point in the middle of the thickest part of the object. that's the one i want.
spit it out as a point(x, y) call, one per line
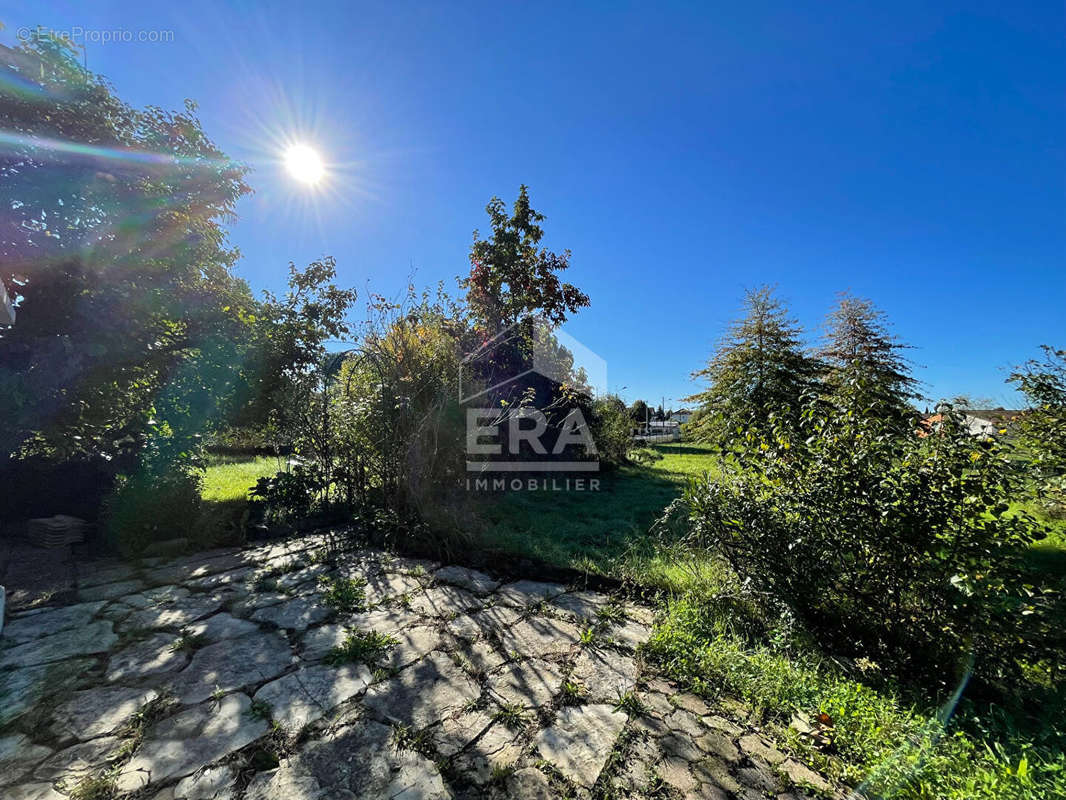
point(594, 531)
point(893, 745)
point(230, 478)
point(511, 715)
point(94, 787)
point(227, 481)
point(365, 648)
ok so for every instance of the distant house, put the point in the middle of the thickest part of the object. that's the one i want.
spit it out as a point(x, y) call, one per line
point(681, 417)
point(981, 423)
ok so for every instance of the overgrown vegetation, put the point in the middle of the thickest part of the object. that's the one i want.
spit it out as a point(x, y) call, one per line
point(872, 564)
point(894, 743)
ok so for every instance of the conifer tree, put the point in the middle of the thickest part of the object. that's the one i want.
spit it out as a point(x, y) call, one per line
point(865, 367)
point(759, 370)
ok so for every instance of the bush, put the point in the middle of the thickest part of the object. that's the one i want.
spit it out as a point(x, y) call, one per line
point(888, 545)
point(289, 494)
point(611, 430)
point(148, 507)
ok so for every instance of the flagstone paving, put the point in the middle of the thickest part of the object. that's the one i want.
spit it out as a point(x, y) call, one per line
point(228, 675)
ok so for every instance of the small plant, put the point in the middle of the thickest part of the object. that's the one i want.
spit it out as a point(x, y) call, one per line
point(588, 636)
point(218, 693)
point(365, 648)
point(134, 729)
point(407, 738)
point(512, 715)
point(382, 674)
point(265, 581)
point(535, 607)
point(611, 613)
point(571, 694)
point(344, 594)
point(187, 642)
point(629, 702)
point(501, 772)
point(94, 787)
point(259, 709)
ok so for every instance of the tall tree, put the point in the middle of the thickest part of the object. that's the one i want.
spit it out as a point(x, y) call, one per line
point(129, 313)
point(865, 367)
point(510, 276)
point(759, 371)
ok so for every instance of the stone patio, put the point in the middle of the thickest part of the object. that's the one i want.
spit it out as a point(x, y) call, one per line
point(218, 676)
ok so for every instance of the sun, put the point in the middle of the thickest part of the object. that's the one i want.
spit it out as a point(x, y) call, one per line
point(304, 164)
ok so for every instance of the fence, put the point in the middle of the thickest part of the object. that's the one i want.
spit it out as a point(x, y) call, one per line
point(658, 438)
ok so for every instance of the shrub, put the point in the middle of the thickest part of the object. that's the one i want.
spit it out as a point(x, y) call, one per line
point(611, 430)
point(888, 545)
point(290, 493)
point(148, 507)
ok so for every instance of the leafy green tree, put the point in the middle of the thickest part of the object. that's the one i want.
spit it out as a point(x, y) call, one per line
point(611, 425)
point(639, 412)
point(759, 369)
point(511, 276)
point(1042, 426)
point(131, 324)
point(864, 361)
point(516, 298)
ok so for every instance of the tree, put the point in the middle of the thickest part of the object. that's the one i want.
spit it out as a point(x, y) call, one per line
point(516, 299)
point(864, 363)
point(510, 277)
point(758, 371)
point(129, 314)
point(1042, 426)
point(133, 332)
point(639, 412)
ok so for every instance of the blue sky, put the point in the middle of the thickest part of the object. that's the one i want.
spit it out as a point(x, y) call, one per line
point(912, 153)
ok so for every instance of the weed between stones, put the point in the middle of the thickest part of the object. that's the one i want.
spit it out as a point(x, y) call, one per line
point(344, 594)
point(366, 648)
point(511, 715)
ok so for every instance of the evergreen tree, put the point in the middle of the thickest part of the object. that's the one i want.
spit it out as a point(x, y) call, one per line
point(759, 370)
point(865, 368)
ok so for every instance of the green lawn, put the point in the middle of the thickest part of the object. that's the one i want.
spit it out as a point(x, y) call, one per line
point(605, 531)
point(229, 478)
